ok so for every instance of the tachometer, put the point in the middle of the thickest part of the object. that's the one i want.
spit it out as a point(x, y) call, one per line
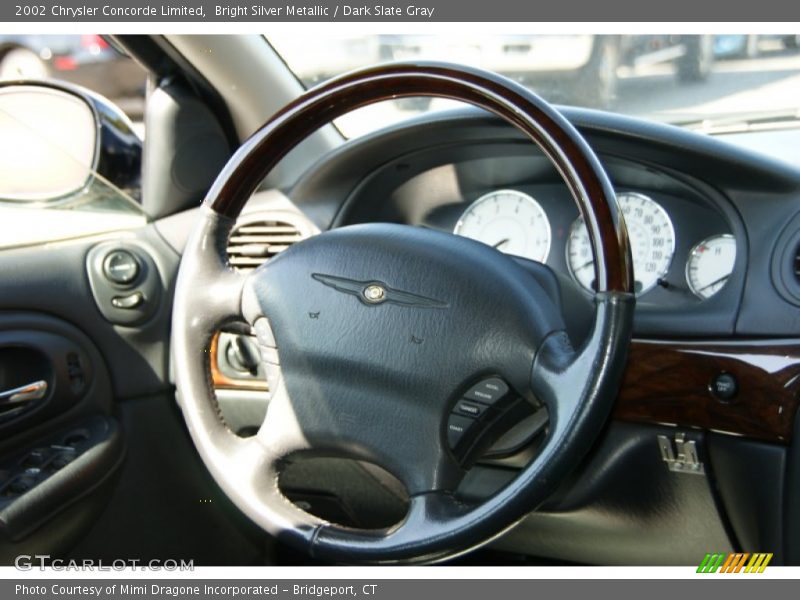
point(710, 264)
point(510, 221)
point(652, 243)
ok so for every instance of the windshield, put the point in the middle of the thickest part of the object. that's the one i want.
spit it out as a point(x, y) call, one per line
point(702, 81)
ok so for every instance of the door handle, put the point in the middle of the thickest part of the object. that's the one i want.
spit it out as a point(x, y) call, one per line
point(25, 393)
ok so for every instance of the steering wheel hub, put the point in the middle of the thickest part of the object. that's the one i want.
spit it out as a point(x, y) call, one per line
point(453, 311)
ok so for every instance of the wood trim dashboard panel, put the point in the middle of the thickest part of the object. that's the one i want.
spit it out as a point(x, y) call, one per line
point(670, 382)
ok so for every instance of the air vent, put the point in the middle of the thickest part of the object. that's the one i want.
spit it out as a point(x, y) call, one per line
point(253, 243)
point(796, 264)
point(786, 262)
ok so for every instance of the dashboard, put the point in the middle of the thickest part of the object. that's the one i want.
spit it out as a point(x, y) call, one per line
point(685, 238)
point(683, 248)
point(715, 232)
point(715, 358)
point(704, 217)
point(515, 223)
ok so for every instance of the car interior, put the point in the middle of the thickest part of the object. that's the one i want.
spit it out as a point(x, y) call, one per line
point(503, 332)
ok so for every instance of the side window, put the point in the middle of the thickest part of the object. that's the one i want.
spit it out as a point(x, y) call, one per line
point(71, 125)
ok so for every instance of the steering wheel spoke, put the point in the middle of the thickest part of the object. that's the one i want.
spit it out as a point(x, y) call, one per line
point(253, 469)
point(341, 423)
point(572, 382)
point(209, 291)
point(429, 515)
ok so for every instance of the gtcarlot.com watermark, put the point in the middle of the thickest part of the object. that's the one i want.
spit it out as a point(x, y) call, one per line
point(29, 562)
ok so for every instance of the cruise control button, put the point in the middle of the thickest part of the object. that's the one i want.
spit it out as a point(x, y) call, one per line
point(471, 409)
point(487, 391)
point(457, 428)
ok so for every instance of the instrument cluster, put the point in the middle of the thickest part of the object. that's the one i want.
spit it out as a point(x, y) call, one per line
point(515, 222)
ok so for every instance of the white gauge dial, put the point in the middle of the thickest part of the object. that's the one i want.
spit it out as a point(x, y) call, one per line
point(710, 264)
point(510, 221)
point(652, 243)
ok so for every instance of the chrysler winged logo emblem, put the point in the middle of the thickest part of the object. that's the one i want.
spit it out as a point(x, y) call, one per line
point(376, 292)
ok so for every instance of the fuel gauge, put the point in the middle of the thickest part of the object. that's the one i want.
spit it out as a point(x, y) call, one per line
point(710, 265)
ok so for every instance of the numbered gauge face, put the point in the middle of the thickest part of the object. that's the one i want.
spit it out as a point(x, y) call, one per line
point(510, 221)
point(652, 243)
point(710, 264)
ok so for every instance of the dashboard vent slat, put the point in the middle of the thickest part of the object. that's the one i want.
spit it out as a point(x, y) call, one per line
point(273, 229)
point(253, 243)
point(796, 265)
point(265, 239)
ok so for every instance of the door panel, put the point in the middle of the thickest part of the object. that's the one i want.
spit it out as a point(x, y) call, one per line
point(136, 488)
point(58, 452)
point(164, 503)
point(53, 279)
point(61, 453)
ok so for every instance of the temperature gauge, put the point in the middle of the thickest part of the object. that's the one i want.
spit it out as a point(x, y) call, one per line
point(710, 264)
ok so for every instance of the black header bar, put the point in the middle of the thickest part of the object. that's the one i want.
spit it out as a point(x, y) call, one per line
point(399, 11)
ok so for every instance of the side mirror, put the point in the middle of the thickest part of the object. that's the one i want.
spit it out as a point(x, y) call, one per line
point(55, 139)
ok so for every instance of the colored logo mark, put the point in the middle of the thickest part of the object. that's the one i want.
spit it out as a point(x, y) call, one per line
point(738, 562)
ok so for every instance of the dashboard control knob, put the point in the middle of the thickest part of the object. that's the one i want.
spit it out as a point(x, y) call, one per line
point(724, 387)
point(120, 267)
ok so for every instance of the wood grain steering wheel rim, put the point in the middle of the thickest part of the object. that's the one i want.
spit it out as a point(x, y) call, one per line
point(578, 386)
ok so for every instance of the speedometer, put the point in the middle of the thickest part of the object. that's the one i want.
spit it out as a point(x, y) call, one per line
point(510, 221)
point(652, 243)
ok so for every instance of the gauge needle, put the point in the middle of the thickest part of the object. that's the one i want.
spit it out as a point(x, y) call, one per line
point(586, 264)
point(713, 283)
point(500, 243)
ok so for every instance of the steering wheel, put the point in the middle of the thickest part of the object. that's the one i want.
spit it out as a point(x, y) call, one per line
point(374, 334)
